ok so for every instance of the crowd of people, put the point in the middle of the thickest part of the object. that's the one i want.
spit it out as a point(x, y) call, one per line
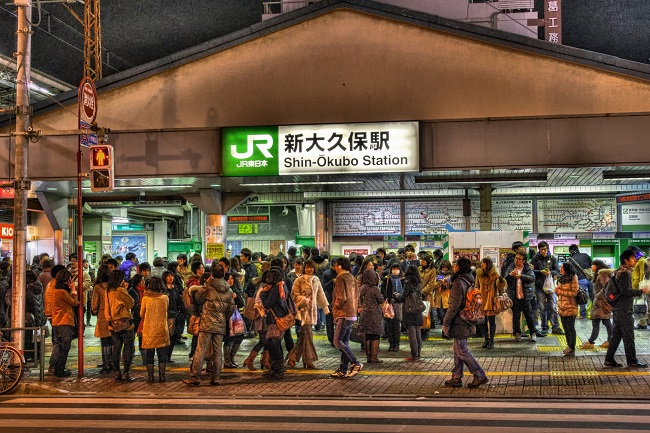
point(369, 298)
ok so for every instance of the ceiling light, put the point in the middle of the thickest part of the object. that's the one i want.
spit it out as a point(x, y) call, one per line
point(625, 176)
point(119, 220)
point(154, 187)
point(215, 185)
point(522, 178)
point(342, 182)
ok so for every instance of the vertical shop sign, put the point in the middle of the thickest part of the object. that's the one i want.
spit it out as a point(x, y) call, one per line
point(553, 21)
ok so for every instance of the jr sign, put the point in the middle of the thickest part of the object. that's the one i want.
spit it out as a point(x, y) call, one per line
point(320, 149)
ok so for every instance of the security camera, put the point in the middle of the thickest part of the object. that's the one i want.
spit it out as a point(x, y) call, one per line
point(285, 211)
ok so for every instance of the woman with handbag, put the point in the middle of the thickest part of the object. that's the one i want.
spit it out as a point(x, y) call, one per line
point(155, 332)
point(566, 291)
point(275, 298)
point(231, 343)
point(308, 295)
point(441, 292)
point(120, 322)
point(491, 285)
point(371, 319)
point(601, 311)
point(173, 292)
point(392, 289)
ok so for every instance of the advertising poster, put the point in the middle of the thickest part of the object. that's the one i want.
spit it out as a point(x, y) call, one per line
point(493, 253)
point(137, 244)
point(364, 250)
point(473, 254)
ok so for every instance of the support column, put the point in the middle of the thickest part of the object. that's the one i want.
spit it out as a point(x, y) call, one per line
point(486, 207)
point(322, 234)
point(215, 237)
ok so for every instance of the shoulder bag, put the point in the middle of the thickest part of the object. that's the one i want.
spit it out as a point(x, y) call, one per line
point(116, 325)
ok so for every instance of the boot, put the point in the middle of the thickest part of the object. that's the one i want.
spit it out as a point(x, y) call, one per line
point(491, 343)
point(265, 360)
point(233, 352)
point(368, 351)
point(226, 357)
point(161, 372)
point(106, 359)
point(150, 373)
point(249, 362)
point(127, 376)
point(486, 343)
point(374, 352)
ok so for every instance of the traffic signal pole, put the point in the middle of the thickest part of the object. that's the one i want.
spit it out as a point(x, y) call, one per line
point(21, 179)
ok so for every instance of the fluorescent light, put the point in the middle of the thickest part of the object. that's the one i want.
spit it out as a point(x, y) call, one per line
point(625, 176)
point(146, 187)
point(215, 185)
point(341, 182)
point(119, 220)
point(483, 179)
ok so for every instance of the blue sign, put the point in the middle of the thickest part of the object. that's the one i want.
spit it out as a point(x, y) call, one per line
point(86, 140)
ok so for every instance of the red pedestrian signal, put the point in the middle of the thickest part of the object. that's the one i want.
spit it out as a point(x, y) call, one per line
point(101, 168)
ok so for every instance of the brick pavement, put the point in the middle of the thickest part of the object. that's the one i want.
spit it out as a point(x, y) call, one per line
point(515, 369)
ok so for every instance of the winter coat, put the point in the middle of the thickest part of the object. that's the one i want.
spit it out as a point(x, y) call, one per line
point(441, 292)
point(567, 305)
point(371, 319)
point(175, 301)
point(527, 282)
point(153, 311)
point(638, 274)
point(458, 328)
point(539, 263)
point(412, 284)
point(62, 311)
point(217, 305)
point(45, 276)
point(490, 285)
point(602, 278)
point(48, 298)
point(275, 302)
point(97, 307)
point(345, 295)
point(625, 302)
point(34, 303)
point(428, 276)
point(307, 293)
point(118, 305)
point(184, 272)
point(129, 268)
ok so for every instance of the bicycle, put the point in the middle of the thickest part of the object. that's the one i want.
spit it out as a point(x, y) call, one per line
point(11, 367)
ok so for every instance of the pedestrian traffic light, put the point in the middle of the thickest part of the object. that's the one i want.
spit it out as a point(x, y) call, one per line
point(101, 168)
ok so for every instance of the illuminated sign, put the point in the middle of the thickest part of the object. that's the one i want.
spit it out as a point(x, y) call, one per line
point(248, 218)
point(320, 149)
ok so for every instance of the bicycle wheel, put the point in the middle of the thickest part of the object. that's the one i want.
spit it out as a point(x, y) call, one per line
point(11, 369)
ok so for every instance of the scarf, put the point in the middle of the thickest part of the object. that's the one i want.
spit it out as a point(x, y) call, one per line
point(280, 285)
point(397, 284)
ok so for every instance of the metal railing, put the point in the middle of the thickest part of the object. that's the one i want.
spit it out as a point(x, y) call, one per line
point(38, 346)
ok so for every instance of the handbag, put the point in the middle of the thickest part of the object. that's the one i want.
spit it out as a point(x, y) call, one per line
point(119, 325)
point(501, 303)
point(582, 298)
point(387, 310)
point(285, 322)
point(236, 324)
point(588, 273)
point(355, 335)
point(605, 307)
point(640, 308)
point(193, 325)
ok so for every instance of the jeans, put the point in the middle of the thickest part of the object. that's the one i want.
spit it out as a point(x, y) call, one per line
point(342, 343)
point(207, 340)
point(547, 310)
point(595, 329)
point(321, 319)
point(569, 325)
point(462, 356)
point(590, 292)
point(623, 330)
point(415, 340)
point(123, 340)
point(61, 342)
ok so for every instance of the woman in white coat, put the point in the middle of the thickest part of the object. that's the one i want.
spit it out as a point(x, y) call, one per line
point(308, 295)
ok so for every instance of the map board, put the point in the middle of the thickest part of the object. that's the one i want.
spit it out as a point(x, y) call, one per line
point(578, 215)
point(367, 219)
point(509, 215)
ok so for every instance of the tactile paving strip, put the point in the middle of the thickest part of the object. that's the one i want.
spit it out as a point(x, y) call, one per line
point(572, 371)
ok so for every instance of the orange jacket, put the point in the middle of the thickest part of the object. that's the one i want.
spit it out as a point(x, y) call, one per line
point(62, 311)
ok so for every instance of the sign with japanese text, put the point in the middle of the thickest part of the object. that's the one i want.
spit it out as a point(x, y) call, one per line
point(320, 149)
point(214, 251)
point(364, 250)
point(635, 217)
point(87, 100)
point(553, 21)
point(264, 218)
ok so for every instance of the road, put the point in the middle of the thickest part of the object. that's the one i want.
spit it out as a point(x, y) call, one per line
point(182, 414)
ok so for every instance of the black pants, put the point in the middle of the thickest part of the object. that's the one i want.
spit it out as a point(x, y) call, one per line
point(623, 330)
point(595, 329)
point(329, 326)
point(288, 341)
point(394, 332)
point(521, 306)
point(569, 325)
point(123, 345)
point(149, 355)
point(489, 327)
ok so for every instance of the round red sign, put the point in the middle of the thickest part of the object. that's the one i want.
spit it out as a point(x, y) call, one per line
point(88, 100)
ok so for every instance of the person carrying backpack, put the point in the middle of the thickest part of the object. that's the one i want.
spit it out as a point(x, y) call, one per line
point(622, 312)
point(460, 330)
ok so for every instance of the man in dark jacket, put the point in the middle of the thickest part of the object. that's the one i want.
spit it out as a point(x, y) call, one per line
point(457, 328)
point(622, 314)
point(581, 261)
point(328, 287)
point(543, 265)
point(521, 282)
point(517, 247)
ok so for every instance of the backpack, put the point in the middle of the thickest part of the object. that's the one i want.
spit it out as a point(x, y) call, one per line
point(413, 303)
point(472, 314)
point(612, 292)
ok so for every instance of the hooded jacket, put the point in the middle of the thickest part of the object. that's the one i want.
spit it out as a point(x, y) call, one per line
point(217, 304)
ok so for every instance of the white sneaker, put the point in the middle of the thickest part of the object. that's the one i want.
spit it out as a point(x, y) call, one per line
point(533, 337)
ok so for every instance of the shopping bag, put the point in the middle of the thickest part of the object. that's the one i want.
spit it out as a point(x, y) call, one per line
point(236, 324)
point(549, 285)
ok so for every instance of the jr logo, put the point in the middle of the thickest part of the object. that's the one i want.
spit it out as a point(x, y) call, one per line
point(264, 142)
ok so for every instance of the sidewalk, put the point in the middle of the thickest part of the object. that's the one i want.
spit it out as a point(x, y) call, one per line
point(515, 370)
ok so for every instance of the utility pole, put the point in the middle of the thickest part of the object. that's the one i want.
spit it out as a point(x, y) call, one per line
point(21, 178)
